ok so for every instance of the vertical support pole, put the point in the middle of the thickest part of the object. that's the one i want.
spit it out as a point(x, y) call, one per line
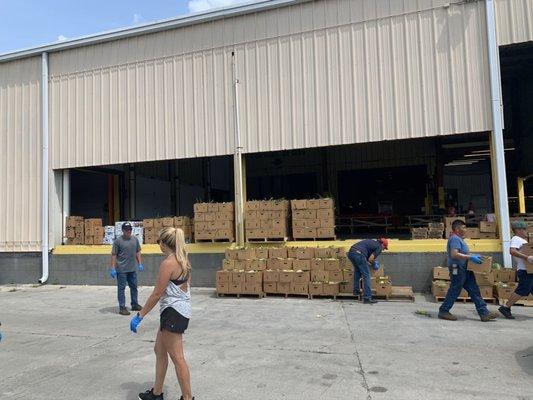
point(66, 201)
point(496, 137)
point(45, 169)
point(237, 160)
point(521, 195)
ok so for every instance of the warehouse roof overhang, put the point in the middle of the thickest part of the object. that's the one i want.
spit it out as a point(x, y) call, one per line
point(152, 27)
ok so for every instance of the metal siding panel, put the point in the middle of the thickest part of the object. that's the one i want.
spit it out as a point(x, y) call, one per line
point(514, 21)
point(20, 158)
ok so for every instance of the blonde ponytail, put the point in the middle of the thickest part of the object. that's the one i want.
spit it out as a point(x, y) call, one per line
point(174, 239)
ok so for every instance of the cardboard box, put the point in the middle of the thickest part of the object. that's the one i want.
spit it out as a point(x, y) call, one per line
point(472, 233)
point(283, 287)
point(255, 277)
point(298, 204)
point(330, 289)
point(246, 254)
point(224, 234)
point(228, 264)
point(488, 235)
point(279, 252)
point(261, 252)
point(253, 205)
point(228, 225)
point(325, 215)
point(448, 224)
point(305, 253)
point(258, 265)
point(92, 222)
point(286, 276)
point(332, 264)
point(302, 277)
point(301, 265)
point(287, 264)
point(335, 276)
point(209, 217)
point(383, 289)
point(316, 288)
point(299, 288)
point(228, 207)
point(200, 208)
point(486, 291)
point(440, 288)
point(304, 233)
point(309, 214)
point(346, 287)
point(274, 263)
point(224, 276)
point(319, 276)
point(299, 223)
point(484, 278)
point(504, 275)
point(291, 252)
point(270, 276)
point(313, 204)
point(232, 254)
point(486, 266)
point(324, 233)
point(487, 227)
point(74, 220)
point(270, 287)
point(323, 252)
point(238, 277)
point(222, 287)
point(251, 215)
point(347, 275)
point(248, 265)
point(326, 203)
point(148, 223)
point(235, 288)
point(168, 222)
point(317, 264)
point(70, 232)
point(239, 265)
point(327, 222)
point(252, 224)
point(504, 290)
point(441, 273)
point(253, 288)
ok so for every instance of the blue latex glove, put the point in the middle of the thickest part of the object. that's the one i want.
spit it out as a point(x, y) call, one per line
point(113, 273)
point(375, 265)
point(476, 258)
point(135, 322)
point(140, 267)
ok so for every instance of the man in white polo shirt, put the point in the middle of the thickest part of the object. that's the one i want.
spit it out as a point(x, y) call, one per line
point(525, 280)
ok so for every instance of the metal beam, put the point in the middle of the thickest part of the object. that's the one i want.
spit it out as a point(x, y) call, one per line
point(66, 202)
point(237, 160)
point(496, 138)
point(45, 169)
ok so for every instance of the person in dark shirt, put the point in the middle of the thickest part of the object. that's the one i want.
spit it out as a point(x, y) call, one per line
point(363, 254)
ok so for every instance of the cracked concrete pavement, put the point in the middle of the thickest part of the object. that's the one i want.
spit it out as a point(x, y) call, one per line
point(70, 343)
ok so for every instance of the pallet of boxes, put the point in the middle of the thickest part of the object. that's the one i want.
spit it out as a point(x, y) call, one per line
point(75, 230)
point(383, 288)
point(153, 226)
point(214, 222)
point(267, 220)
point(313, 219)
point(484, 277)
point(242, 272)
point(488, 230)
point(504, 283)
point(94, 231)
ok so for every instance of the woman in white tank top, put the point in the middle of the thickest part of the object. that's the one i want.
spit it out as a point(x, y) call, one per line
point(172, 291)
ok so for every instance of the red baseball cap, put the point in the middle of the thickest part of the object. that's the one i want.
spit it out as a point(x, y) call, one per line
point(384, 243)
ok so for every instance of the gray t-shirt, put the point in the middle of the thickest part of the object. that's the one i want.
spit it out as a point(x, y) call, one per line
point(126, 251)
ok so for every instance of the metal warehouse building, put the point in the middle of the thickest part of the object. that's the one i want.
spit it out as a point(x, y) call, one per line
point(367, 100)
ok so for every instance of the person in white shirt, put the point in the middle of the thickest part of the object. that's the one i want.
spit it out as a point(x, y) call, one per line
point(525, 280)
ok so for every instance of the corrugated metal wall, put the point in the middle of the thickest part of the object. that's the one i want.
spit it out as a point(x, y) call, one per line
point(514, 21)
point(20, 155)
point(315, 74)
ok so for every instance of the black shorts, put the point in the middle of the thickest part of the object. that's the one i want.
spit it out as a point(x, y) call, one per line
point(525, 283)
point(173, 321)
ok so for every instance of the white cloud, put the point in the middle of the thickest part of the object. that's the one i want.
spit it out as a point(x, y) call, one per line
point(61, 38)
point(137, 19)
point(204, 5)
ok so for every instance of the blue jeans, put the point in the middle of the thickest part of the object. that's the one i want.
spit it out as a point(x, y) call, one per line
point(131, 279)
point(360, 268)
point(464, 279)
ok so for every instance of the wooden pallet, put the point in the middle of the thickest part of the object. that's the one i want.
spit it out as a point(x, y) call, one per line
point(316, 239)
point(345, 296)
point(491, 300)
point(399, 293)
point(287, 295)
point(215, 240)
point(282, 239)
point(238, 295)
point(525, 303)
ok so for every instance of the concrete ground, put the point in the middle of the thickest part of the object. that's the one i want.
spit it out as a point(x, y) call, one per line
point(70, 343)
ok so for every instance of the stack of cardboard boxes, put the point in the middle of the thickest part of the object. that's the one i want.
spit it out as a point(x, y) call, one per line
point(504, 283)
point(94, 231)
point(153, 226)
point(75, 230)
point(137, 229)
point(268, 219)
point(488, 230)
point(313, 219)
point(214, 222)
point(484, 277)
point(419, 233)
point(435, 230)
point(285, 270)
point(109, 234)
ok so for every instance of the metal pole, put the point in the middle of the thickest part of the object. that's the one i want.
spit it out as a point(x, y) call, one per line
point(66, 201)
point(521, 195)
point(237, 161)
point(45, 169)
point(496, 138)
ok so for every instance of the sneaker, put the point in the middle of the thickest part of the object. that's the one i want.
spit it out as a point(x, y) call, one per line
point(136, 307)
point(149, 395)
point(506, 312)
point(447, 316)
point(490, 316)
point(124, 311)
point(181, 398)
point(369, 301)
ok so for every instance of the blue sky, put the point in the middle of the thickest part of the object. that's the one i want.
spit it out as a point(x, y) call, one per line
point(28, 23)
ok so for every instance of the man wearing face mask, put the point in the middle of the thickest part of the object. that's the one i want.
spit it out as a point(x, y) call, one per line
point(125, 260)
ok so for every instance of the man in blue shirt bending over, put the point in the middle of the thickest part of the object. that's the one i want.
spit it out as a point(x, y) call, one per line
point(362, 255)
point(458, 258)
